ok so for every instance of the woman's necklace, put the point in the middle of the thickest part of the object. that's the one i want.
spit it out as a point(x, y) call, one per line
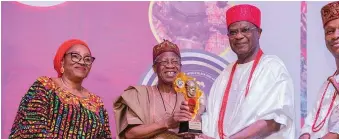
point(69, 88)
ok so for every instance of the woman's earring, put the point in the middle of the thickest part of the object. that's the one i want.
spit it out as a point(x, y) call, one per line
point(62, 70)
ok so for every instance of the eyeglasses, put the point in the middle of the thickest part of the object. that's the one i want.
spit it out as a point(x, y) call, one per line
point(166, 62)
point(243, 31)
point(75, 57)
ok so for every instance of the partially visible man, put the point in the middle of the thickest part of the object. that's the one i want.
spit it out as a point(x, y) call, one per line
point(253, 97)
point(152, 111)
point(317, 123)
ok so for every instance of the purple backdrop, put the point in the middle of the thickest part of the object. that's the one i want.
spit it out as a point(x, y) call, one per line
point(121, 36)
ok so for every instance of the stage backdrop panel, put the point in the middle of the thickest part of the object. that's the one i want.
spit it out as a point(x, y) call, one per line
point(121, 36)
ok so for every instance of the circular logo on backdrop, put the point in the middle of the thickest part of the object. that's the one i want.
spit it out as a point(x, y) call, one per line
point(192, 25)
point(41, 3)
point(202, 65)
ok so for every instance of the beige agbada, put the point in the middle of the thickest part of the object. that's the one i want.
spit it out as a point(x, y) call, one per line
point(145, 105)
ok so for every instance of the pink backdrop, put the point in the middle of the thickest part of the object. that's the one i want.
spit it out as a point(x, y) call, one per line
point(31, 36)
point(120, 35)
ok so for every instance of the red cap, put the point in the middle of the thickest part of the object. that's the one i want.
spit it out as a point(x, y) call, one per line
point(243, 12)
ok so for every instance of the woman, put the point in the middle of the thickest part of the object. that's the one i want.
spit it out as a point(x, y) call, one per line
point(61, 107)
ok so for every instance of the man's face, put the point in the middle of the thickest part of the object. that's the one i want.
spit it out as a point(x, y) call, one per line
point(243, 37)
point(332, 37)
point(167, 66)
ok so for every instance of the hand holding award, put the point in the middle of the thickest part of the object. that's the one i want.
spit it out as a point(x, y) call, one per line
point(189, 88)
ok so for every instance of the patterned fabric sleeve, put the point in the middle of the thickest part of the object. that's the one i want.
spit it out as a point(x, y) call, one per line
point(32, 115)
point(105, 133)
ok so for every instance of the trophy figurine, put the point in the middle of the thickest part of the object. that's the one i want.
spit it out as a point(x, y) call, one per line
point(192, 93)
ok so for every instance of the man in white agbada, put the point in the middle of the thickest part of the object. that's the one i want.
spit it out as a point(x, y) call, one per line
point(253, 97)
point(322, 121)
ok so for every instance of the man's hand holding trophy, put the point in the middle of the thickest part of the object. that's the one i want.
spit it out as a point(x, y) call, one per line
point(193, 95)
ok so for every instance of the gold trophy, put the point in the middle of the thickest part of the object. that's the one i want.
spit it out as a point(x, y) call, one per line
point(190, 89)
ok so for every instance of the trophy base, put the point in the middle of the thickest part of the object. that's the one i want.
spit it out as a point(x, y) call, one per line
point(190, 127)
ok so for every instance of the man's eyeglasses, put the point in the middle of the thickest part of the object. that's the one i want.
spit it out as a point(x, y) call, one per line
point(75, 57)
point(243, 31)
point(164, 63)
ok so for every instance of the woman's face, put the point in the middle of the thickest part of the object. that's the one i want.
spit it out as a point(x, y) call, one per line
point(77, 62)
